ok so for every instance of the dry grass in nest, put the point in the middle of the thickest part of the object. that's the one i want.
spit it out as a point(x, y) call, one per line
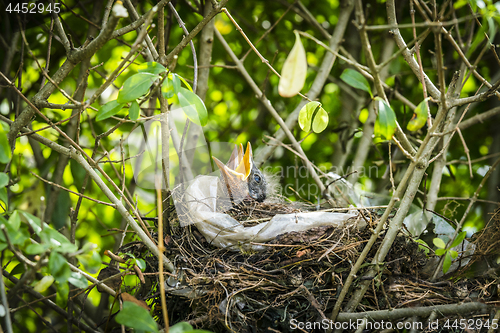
point(299, 276)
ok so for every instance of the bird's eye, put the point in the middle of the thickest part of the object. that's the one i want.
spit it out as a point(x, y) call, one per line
point(256, 178)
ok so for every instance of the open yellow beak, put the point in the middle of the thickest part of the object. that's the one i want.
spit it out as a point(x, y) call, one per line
point(239, 164)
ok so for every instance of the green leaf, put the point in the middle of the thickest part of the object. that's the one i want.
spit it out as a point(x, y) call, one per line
point(356, 80)
point(184, 327)
point(109, 109)
point(44, 283)
point(135, 316)
point(419, 117)
point(306, 115)
point(141, 264)
point(136, 86)
point(134, 110)
point(4, 179)
point(78, 173)
point(386, 119)
point(320, 121)
point(313, 113)
point(440, 252)
point(17, 234)
point(446, 262)
point(19, 269)
point(57, 240)
point(459, 239)
point(15, 220)
point(193, 106)
point(36, 248)
point(152, 68)
point(423, 247)
point(294, 71)
point(90, 261)
point(61, 210)
point(58, 267)
point(171, 86)
point(62, 294)
point(185, 82)
point(34, 222)
point(439, 243)
point(5, 152)
point(78, 280)
point(454, 254)
point(180, 327)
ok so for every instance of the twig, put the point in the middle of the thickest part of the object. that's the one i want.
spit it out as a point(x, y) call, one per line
point(73, 192)
point(264, 60)
point(270, 108)
point(421, 67)
point(135, 16)
point(346, 7)
point(193, 50)
point(464, 216)
point(466, 150)
point(216, 9)
point(5, 304)
point(269, 30)
point(161, 248)
point(390, 169)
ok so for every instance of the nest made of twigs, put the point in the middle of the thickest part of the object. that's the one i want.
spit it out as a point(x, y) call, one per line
point(299, 276)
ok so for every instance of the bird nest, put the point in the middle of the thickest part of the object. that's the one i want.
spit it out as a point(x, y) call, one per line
point(298, 278)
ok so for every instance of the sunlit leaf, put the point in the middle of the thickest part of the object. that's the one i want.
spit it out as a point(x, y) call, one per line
point(78, 280)
point(306, 114)
point(134, 110)
point(313, 114)
point(420, 116)
point(459, 239)
point(293, 73)
point(424, 247)
point(109, 109)
point(152, 68)
point(141, 264)
point(135, 316)
point(439, 243)
point(5, 152)
point(193, 106)
point(386, 119)
point(355, 80)
point(320, 121)
point(136, 86)
point(4, 196)
point(446, 262)
point(440, 252)
point(34, 222)
point(183, 81)
point(44, 283)
point(171, 86)
point(454, 254)
point(4, 179)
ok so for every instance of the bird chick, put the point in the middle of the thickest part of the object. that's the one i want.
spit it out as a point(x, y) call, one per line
point(240, 179)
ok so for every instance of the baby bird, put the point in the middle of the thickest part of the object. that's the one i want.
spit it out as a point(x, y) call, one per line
point(240, 179)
